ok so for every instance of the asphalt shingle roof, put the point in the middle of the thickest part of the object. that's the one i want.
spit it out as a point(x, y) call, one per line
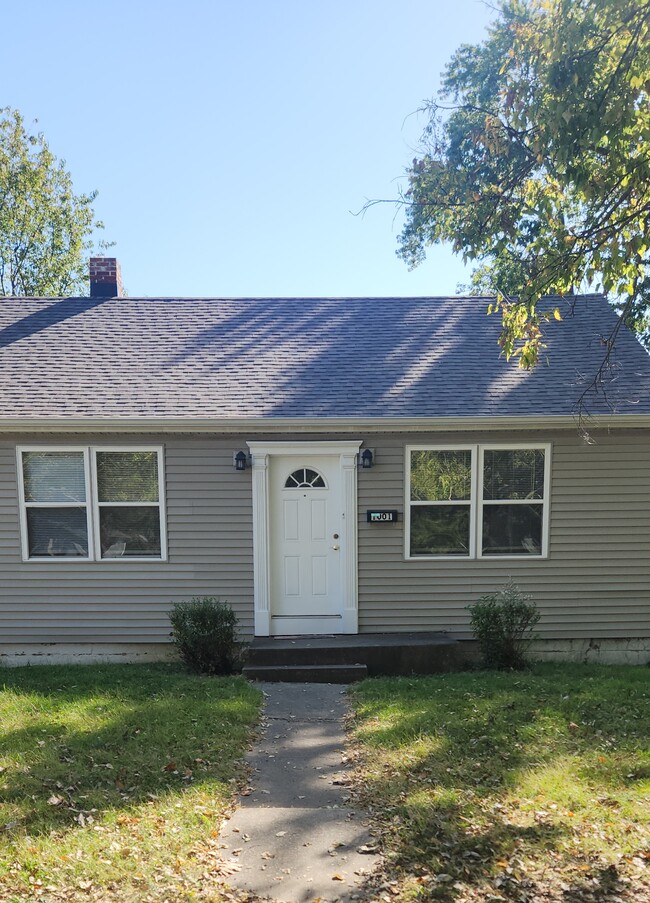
point(248, 358)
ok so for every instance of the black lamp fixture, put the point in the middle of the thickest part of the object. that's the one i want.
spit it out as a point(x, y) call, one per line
point(240, 460)
point(367, 458)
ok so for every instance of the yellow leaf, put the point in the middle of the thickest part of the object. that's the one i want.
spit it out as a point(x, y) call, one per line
point(557, 314)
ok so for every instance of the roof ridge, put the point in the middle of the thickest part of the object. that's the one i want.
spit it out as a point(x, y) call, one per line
point(307, 298)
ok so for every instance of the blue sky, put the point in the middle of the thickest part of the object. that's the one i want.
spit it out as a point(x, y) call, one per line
point(231, 142)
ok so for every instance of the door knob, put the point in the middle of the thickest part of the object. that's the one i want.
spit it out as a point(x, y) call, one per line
point(336, 548)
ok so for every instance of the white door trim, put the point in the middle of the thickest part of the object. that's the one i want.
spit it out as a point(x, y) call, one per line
point(260, 455)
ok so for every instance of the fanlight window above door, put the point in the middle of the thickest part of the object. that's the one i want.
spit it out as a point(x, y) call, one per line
point(305, 478)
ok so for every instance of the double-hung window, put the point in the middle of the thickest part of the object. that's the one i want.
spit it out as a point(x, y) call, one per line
point(92, 503)
point(513, 500)
point(477, 501)
point(440, 493)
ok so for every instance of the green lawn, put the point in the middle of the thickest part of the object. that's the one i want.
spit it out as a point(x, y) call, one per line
point(114, 779)
point(528, 787)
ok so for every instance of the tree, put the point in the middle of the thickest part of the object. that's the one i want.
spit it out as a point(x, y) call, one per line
point(538, 163)
point(45, 228)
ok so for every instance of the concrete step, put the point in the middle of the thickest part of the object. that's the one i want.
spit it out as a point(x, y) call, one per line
point(397, 653)
point(321, 674)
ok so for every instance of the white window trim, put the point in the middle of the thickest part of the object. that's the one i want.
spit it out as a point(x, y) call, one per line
point(408, 502)
point(24, 505)
point(476, 503)
point(544, 501)
point(92, 503)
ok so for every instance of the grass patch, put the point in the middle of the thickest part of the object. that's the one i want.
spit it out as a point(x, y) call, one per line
point(491, 786)
point(114, 779)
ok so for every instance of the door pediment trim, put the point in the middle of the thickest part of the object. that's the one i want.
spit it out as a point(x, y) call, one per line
point(304, 448)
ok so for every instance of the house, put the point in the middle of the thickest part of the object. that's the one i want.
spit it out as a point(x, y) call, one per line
point(328, 466)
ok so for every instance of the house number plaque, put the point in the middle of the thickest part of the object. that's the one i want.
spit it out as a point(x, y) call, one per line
point(381, 517)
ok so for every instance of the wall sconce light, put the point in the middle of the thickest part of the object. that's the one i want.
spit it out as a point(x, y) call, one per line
point(367, 458)
point(240, 460)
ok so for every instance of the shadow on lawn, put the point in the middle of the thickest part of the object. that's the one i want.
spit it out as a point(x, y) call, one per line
point(96, 739)
point(464, 746)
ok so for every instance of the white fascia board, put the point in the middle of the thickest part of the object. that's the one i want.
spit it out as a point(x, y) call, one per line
point(314, 424)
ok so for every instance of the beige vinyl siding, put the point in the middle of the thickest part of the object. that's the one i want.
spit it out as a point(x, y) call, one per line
point(209, 541)
point(596, 580)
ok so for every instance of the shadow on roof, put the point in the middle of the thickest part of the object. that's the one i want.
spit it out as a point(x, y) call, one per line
point(54, 313)
point(356, 358)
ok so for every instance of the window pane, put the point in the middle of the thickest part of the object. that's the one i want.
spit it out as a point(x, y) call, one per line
point(305, 478)
point(55, 532)
point(440, 530)
point(54, 476)
point(129, 531)
point(127, 476)
point(512, 529)
point(513, 474)
point(438, 476)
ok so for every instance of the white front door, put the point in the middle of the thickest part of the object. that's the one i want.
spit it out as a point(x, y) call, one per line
point(305, 536)
point(307, 531)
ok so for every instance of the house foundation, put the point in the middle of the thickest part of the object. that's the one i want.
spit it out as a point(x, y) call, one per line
point(397, 653)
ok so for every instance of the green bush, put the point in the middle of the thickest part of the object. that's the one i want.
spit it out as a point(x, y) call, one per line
point(204, 630)
point(502, 623)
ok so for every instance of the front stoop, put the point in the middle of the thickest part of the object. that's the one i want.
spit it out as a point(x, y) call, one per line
point(343, 659)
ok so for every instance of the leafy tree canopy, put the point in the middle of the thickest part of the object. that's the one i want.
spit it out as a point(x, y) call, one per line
point(45, 228)
point(537, 164)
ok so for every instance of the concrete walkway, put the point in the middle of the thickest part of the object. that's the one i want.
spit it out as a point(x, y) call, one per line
point(294, 837)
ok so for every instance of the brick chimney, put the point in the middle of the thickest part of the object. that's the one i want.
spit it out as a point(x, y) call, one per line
point(105, 278)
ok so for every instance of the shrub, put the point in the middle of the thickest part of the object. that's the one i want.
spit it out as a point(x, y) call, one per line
point(502, 623)
point(204, 630)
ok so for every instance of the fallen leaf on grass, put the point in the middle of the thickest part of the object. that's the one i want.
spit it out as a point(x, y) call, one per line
point(55, 800)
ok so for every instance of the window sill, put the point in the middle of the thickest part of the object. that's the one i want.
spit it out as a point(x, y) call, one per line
point(69, 559)
point(527, 557)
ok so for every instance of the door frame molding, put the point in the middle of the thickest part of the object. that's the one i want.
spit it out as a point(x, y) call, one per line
point(261, 453)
